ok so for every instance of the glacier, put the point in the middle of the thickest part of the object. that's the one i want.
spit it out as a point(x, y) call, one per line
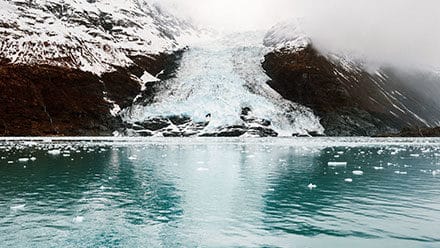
point(221, 83)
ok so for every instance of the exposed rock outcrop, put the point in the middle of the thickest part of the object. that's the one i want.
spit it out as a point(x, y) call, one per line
point(51, 100)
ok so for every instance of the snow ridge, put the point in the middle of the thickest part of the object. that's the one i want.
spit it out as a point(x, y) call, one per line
point(91, 35)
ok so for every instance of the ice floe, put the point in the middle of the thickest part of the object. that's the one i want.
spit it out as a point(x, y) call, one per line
point(358, 172)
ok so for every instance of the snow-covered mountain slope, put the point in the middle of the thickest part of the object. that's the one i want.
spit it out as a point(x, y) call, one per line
point(349, 97)
point(90, 35)
point(68, 66)
point(221, 89)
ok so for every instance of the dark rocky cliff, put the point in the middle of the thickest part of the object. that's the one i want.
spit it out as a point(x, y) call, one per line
point(48, 100)
point(349, 101)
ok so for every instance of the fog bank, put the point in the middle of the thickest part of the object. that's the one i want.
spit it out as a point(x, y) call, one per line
point(404, 33)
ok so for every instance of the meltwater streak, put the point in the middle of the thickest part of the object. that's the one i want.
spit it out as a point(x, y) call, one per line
point(220, 77)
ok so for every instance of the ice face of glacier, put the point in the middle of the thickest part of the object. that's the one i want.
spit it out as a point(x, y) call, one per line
point(219, 85)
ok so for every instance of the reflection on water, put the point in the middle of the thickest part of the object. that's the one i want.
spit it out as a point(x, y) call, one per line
point(188, 194)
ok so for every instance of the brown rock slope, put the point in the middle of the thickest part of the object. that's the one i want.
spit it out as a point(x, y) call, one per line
point(49, 100)
point(349, 100)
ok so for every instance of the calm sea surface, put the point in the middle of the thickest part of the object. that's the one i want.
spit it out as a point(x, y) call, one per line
point(318, 192)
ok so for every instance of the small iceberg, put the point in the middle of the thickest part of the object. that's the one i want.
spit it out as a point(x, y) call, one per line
point(337, 163)
point(78, 219)
point(23, 160)
point(311, 186)
point(401, 172)
point(358, 172)
point(348, 180)
point(54, 152)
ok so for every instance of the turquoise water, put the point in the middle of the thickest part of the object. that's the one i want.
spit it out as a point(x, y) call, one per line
point(220, 193)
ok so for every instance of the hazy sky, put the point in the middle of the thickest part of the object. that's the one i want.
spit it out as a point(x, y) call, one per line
point(235, 14)
point(405, 32)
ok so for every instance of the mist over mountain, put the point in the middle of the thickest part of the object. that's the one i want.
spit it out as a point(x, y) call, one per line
point(391, 32)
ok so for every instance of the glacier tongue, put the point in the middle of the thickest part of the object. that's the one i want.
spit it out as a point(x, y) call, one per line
point(220, 86)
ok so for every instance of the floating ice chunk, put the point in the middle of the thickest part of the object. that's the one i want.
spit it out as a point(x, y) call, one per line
point(337, 163)
point(378, 167)
point(348, 180)
point(18, 207)
point(401, 172)
point(311, 186)
point(54, 152)
point(415, 155)
point(33, 158)
point(78, 219)
point(23, 160)
point(202, 169)
point(132, 158)
point(10, 162)
point(358, 172)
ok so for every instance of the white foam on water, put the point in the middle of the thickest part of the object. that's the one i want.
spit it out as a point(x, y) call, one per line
point(18, 207)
